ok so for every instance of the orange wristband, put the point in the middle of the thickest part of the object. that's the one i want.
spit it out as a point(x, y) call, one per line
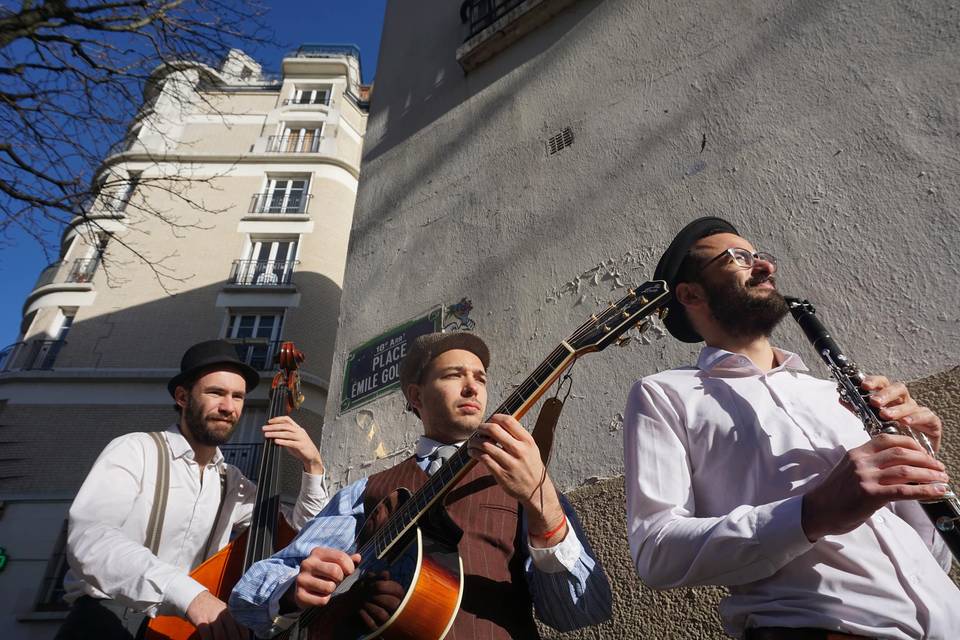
point(552, 532)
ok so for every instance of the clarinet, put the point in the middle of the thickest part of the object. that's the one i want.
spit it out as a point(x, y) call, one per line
point(944, 512)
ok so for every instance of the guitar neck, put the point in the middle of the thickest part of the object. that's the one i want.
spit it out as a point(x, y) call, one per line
point(599, 331)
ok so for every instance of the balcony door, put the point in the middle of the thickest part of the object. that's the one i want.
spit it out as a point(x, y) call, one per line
point(270, 262)
point(286, 195)
point(301, 139)
point(256, 336)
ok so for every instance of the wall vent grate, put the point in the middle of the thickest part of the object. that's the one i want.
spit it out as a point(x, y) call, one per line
point(560, 141)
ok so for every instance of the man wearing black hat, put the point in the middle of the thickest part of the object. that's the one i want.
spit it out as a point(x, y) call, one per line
point(510, 561)
point(745, 471)
point(130, 555)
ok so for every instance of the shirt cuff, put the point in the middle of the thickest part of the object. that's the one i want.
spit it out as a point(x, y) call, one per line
point(273, 604)
point(180, 592)
point(780, 530)
point(562, 556)
point(313, 484)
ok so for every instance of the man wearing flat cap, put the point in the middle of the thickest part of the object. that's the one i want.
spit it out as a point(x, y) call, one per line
point(745, 471)
point(521, 541)
point(131, 556)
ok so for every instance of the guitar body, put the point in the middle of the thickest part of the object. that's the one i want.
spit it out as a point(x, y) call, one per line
point(412, 593)
point(218, 573)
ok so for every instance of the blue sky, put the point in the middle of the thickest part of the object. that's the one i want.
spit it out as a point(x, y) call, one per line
point(356, 22)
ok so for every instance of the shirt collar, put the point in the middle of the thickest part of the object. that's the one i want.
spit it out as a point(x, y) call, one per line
point(426, 446)
point(714, 360)
point(180, 448)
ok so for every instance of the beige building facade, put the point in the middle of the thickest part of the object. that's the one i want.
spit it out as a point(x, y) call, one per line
point(224, 213)
point(535, 157)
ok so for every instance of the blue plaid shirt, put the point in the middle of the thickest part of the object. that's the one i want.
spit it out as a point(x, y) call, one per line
point(568, 593)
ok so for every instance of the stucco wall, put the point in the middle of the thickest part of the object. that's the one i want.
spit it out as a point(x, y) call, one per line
point(826, 132)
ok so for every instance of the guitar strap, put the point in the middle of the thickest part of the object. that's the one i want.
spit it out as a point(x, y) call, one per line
point(545, 426)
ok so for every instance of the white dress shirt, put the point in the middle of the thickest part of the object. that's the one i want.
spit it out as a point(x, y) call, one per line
point(108, 523)
point(717, 459)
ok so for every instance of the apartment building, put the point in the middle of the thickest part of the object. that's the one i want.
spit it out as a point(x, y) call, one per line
point(528, 160)
point(224, 213)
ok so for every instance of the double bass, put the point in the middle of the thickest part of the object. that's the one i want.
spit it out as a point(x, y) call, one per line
point(268, 531)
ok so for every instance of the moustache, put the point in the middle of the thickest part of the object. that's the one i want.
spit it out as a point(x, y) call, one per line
point(752, 282)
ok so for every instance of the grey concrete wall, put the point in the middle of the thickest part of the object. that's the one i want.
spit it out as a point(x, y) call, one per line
point(829, 133)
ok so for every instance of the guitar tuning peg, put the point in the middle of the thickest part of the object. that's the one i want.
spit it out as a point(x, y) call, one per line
point(644, 300)
point(643, 326)
point(623, 341)
point(624, 314)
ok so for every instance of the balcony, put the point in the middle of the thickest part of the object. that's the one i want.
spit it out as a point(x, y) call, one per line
point(326, 51)
point(262, 273)
point(245, 457)
point(73, 271)
point(293, 144)
point(293, 102)
point(259, 353)
point(30, 355)
point(493, 25)
point(279, 202)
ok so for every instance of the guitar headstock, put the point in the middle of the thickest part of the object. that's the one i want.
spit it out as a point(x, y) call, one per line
point(608, 326)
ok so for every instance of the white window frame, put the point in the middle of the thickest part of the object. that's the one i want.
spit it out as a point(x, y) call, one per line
point(313, 94)
point(271, 187)
point(300, 138)
point(254, 274)
point(271, 342)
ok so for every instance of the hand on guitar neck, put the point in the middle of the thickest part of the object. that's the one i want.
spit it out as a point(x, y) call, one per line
point(509, 452)
point(210, 616)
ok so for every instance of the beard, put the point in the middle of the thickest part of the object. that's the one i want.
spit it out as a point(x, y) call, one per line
point(741, 310)
point(201, 427)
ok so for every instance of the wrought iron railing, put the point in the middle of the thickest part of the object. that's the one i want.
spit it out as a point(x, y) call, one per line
point(294, 143)
point(67, 271)
point(262, 273)
point(279, 202)
point(326, 51)
point(245, 457)
point(29, 355)
point(256, 352)
point(323, 100)
point(480, 14)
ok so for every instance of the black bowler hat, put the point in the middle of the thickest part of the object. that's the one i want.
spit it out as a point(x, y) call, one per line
point(669, 268)
point(208, 354)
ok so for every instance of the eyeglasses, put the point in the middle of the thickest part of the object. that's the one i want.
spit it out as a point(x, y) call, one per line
point(744, 259)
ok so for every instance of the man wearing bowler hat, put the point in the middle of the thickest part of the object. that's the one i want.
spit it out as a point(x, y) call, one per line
point(521, 544)
point(747, 472)
point(129, 555)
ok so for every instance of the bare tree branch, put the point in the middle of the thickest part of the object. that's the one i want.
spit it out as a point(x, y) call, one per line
point(73, 75)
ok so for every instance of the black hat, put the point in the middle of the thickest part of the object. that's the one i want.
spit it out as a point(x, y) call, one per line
point(205, 355)
point(669, 267)
point(427, 347)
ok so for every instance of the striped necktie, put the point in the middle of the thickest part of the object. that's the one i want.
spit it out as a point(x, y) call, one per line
point(440, 455)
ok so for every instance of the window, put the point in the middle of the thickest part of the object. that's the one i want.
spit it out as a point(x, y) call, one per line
point(125, 192)
point(311, 95)
point(84, 268)
point(285, 195)
point(246, 73)
point(46, 351)
point(256, 336)
point(269, 262)
point(298, 139)
point(50, 596)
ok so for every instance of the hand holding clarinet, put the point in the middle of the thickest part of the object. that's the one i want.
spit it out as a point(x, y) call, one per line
point(898, 463)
